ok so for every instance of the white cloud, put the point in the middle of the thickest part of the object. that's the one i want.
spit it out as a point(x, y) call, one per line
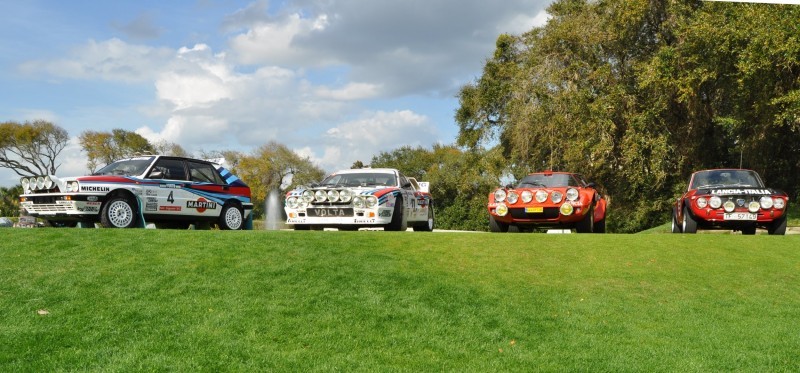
point(112, 60)
point(352, 91)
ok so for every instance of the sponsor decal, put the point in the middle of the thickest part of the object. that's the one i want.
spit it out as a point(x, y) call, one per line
point(171, 186)
point(92, 203)
point(169, 208)
point(201, 205)
point(151, 193)
point(85, 188)
point(730, 192)
point(88, 209)
point(151, 207)
point(91, 198)
point(152, 200)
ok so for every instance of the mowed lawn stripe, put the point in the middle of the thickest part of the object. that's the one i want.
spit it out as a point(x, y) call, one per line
point(259, 300)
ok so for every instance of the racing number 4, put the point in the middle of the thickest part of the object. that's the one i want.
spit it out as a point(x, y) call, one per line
point(170, 198)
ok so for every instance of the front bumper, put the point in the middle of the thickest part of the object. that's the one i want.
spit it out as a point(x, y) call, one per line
point(331, 217)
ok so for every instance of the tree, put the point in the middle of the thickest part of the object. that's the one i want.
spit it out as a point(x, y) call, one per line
point(357, 165)
point(31, 148)
point(9, 200)
point(274, 166)
point(103, 148)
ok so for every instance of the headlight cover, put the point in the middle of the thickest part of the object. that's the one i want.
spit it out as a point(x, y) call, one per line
point(527, 196)
point(753, 206)
point(371, 201)
point(572, 194)
point(48, 182)
point(556, 197)
point(333, 195)
point(778, 203)
point(513, 197)
point(501, 209)
point(541, 196)
point(702, 202)
point(766, 202)
point(359, 202)
point(40, 182)
point(499, 195)
point(729, 206)
point(291, 202)
point(346, 195)
point(566, 209)
point(25, 183)
point(320, 196)
point(715, 202)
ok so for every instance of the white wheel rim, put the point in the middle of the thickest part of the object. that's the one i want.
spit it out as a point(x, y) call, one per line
point(120, 214)
point(233, 218)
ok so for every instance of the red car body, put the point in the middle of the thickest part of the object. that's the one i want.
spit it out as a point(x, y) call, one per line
point(547, 199)
point(729, 199)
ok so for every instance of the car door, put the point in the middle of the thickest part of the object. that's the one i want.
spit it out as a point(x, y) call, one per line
point(170, 196)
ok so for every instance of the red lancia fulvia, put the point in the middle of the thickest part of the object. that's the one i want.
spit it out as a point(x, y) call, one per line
point(729, 199)
point(557, 200)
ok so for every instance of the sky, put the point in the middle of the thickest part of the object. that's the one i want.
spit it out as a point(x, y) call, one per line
point(336, 81)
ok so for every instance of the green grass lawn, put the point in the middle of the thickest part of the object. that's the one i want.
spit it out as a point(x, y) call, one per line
point(133, 300)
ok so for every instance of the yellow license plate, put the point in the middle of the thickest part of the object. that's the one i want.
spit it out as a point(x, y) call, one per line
point(534, 209)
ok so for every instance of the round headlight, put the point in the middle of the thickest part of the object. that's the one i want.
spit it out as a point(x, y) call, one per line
point(556, 197)
point(499, 195)
point(302, 202)
point(566, 209)
point(48, 182)
point(346, 195)
point(702, 202)
point(729, 206)
point(715, 202)
point(766, 202)
point(308, 196)
point(513, 197)
point(753, 206)
point(333, 195)
point(527, 196)
point(320, 195)
point(358, 202)
point(541, 196)
point(778, 203)
point(572, 194)
point(69, 187)
point(25, 183)
point(501, 209)
point(291, 202)
point(372, 201)
point(40, 182)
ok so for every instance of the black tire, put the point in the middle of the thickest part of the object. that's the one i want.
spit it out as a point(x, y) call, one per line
point(496, 226)
point(749, 231)
point(118, 212)
point(231, 218)
point(302, 227)
point(778, 227)
point(586, 225)
point(513, 228)
point(426, 226)
point(600, 226)
point(676, 228)
point(688, 225)
point(398, 223)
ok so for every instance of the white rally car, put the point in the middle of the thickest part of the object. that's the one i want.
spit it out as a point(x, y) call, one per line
point(173, 191)
point(367, 197)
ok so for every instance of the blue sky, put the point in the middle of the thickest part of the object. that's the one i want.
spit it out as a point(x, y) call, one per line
point(336, 81)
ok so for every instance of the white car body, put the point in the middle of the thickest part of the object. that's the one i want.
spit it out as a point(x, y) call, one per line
point(148, 188)
point(367, 197)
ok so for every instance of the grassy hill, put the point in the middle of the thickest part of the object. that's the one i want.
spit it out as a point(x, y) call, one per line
point(106, 299)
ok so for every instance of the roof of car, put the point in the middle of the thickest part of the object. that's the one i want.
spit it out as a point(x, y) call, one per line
point(367, 170)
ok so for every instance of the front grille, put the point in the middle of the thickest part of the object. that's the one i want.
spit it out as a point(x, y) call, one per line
point(46, 207)
point(548, 213)
point(45, 199)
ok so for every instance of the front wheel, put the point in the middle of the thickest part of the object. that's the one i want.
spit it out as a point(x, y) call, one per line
point(689, 225)
point(586, 225)
point(231, 218)
point(118, 213)
point(398, 223)
point(778, 227)
point(496, 226)
point(676, 228)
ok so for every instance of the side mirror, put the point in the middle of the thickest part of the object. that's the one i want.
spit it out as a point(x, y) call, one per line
point(156, 174)
point(407, 185)
point(592, 185)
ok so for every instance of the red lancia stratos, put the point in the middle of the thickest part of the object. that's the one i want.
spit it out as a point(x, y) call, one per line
point(732, 199)
point(559, 200)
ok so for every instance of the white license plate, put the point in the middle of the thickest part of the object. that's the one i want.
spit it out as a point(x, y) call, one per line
point(740, 216)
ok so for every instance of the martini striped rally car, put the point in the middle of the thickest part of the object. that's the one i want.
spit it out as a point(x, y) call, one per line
point(362, 198)
point(172, 191)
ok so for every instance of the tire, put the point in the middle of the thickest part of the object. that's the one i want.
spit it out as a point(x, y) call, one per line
point(118, 212)
point(586, 225)
point(778, 227)
point(514, 229)
point(398, 223)
point(496, 226)
point(676, 228)
point(427, 226)
point(231, 218)
point(689, 225)
point(600, 226)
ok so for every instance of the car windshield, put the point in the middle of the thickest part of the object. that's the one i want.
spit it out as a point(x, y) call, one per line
point(726, 178)
point(127, 167)
point(547, 181)
point(360, 179)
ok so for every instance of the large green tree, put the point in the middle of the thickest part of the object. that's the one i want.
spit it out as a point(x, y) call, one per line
point(103, 147)
point(31, 148)
point(637, 94)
